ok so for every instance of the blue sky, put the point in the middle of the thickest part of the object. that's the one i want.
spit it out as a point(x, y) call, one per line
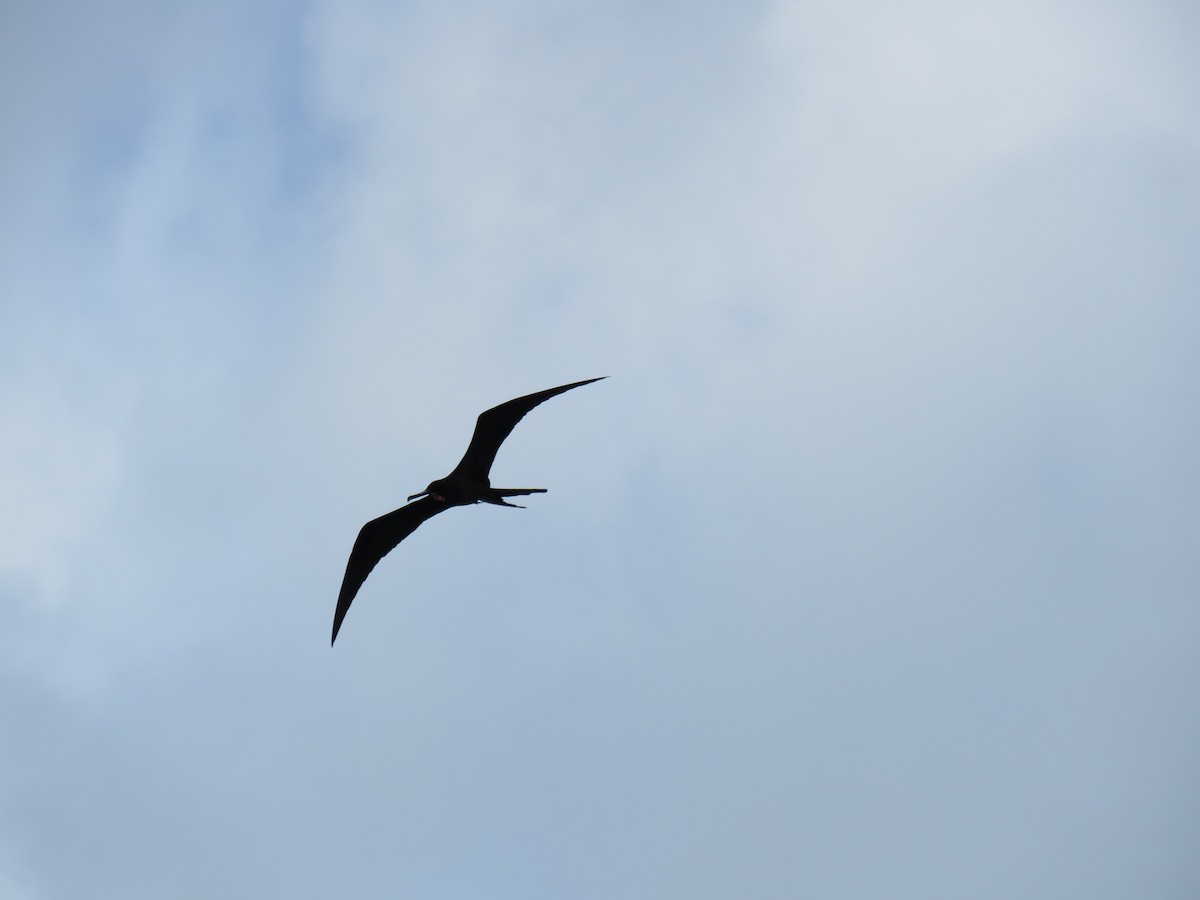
point(870, 572)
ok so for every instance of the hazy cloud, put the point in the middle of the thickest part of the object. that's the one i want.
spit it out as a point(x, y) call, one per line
point(869, 573)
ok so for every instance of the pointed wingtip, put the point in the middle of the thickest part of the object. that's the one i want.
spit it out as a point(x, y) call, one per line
point(585, 381)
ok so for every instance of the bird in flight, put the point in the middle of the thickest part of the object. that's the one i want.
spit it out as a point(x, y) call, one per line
point(467, 484)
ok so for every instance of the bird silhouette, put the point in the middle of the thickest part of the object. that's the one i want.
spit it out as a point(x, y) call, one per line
point(467, 484)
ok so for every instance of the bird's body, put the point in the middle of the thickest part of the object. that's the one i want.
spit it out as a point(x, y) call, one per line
point(466, 485)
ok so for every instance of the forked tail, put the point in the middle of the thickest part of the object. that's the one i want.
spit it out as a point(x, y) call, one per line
point(496, 495)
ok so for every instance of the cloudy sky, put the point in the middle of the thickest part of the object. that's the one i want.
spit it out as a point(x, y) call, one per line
point(872, 571)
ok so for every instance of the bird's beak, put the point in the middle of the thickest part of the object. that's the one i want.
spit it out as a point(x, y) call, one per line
point(415, 496)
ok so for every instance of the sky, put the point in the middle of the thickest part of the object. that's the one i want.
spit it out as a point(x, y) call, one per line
point(870, 572)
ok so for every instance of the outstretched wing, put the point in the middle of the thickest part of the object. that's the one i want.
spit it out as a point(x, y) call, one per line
point(375, 541)
point(493, 426)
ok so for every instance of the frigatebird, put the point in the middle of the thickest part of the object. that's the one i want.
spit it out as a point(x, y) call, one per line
point(467, 484)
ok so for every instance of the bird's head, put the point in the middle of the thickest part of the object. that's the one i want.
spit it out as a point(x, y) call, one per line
point(434, 490)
